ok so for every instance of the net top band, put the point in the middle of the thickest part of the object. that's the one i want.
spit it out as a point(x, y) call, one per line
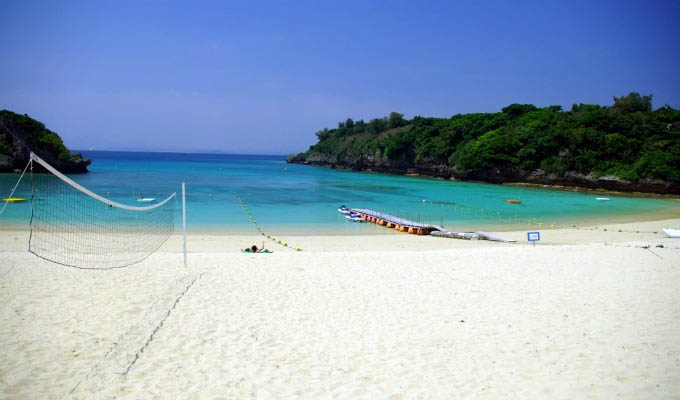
point(76, 186)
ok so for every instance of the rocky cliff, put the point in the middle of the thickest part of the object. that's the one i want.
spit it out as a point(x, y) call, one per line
point(376, 163)
point(20, 134)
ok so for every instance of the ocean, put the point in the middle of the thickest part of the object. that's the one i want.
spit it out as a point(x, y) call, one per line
point(300, 199)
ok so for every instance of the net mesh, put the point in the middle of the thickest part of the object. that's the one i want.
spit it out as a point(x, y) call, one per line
point(73, 228)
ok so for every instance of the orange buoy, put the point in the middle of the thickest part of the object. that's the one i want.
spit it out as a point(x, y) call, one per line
point(513, 201)
point(412, 230)
point(390, 225)
point(421, 231)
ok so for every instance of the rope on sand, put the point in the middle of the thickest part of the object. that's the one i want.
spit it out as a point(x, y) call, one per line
point(644, 247)
point(160, 324)
point(119, 349)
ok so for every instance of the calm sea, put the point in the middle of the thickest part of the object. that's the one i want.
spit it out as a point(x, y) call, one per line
point(299, 199)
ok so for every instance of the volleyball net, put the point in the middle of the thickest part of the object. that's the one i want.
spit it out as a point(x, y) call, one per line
point(73, 226)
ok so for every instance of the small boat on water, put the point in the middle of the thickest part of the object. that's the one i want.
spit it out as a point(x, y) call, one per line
point(671, 233)
point(343, 210)
point(14, 200)
point(354, 218)
point(602, 198)
point(513, 201)
point(146, 199)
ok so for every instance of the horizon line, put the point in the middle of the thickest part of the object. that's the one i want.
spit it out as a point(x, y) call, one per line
point(178, 152)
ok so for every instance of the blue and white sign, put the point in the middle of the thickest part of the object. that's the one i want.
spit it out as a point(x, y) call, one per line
point(533, 236)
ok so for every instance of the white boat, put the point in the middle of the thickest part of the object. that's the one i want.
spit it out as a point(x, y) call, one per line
point(146, 199)
point(343, 210)
point(602, 198)
point(671, 233)
point(354, 218)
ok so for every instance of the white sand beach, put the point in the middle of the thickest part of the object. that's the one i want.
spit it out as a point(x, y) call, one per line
point(583, 314)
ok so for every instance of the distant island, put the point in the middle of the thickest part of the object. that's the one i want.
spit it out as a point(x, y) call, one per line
point(21, 134)
point(624, 147)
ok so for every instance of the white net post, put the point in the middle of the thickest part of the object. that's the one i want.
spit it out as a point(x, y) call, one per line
point(184, 223)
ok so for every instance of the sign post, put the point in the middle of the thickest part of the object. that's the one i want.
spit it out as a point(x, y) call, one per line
point(533, 237)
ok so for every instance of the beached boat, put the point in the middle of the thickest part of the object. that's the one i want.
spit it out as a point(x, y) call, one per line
point(671, 233)
point(14, 200)
point(602, 198)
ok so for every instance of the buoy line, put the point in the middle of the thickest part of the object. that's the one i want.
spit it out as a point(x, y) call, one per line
point(259, 229)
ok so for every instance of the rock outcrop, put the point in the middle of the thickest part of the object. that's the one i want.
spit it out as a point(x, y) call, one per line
point(20, 134)
point(491, 175)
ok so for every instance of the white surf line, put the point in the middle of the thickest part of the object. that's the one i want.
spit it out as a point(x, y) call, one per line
point(160, 324)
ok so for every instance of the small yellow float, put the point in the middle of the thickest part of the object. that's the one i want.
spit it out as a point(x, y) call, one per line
point(13, 200)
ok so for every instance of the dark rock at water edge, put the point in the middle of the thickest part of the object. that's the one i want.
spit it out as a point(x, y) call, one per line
point(491, 175)
point(16, 162)
point(20, 134)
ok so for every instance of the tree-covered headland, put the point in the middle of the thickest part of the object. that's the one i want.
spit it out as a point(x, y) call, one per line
point(625, 146)
point(20, 135)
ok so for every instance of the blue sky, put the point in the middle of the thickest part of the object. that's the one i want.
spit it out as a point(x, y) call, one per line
point(262, 77)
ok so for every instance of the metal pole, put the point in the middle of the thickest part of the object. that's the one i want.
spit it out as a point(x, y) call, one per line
point(184, 223)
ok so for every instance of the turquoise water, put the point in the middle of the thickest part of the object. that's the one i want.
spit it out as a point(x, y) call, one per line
point(299, 199)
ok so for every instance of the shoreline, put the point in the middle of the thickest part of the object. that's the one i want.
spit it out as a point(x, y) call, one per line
point(579, 189)
point(16, 240)
point(345, 228)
